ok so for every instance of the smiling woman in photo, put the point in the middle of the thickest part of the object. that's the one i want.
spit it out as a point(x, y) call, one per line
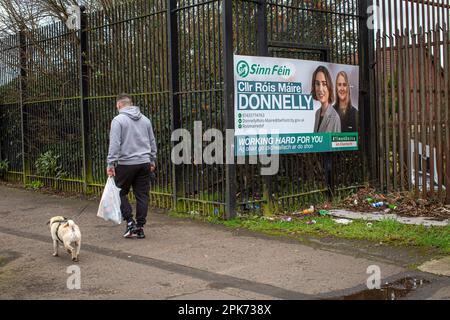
point(327, 119)
point(343, 106)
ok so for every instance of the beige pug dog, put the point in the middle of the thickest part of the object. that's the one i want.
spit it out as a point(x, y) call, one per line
point(66, 232)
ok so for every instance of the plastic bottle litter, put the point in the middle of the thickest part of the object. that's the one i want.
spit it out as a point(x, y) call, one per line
point(369, 200)
point(392, 206)
point(324, 212)
point(311, 222)
point(309, 210)
point(378, 204)
point(216, 211)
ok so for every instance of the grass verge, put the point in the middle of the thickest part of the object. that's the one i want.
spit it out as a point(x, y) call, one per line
point(385, 231)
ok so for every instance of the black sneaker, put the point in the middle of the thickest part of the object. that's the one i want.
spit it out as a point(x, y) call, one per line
point(130, 231)
point(139, 232)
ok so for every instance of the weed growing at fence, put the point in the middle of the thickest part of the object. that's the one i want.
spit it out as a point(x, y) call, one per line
point(48, 165)
point(4, 165)
point(35, 185)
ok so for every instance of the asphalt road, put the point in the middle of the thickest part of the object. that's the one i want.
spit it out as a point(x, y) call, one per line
point(184, 259)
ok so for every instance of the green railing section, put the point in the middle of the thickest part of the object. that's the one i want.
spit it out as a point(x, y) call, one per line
point(58, 89)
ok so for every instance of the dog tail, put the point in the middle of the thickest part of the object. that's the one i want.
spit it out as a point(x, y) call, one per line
point(71, 225)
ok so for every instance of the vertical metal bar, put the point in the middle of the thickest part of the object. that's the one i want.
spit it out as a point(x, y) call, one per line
point(23, 57)
point(392, 65)
point(416, 97)
point(366, 89)
point(437, 95)
point(431, 103)
point(423, 100)
point(228, 90)
point(188, 100)
point(344, 37)
point(386, 104)
point(174, 101)
point(203, 110)
point(408, 13)
point(261, 28)
point(84, 111)
point(446, 99)
point(400, 89)
point(340, 46)
point(407, 84)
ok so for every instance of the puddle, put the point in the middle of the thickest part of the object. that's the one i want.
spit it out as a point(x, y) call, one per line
point(391, 291)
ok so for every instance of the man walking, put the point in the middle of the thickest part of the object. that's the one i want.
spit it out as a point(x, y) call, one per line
point(131, 160)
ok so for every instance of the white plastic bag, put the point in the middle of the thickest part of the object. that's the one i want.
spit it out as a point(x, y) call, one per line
point(109, 208)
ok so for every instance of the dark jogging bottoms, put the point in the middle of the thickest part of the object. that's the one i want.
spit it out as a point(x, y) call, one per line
point(138, 177)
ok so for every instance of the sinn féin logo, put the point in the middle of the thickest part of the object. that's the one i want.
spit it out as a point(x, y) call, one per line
point(243, 68)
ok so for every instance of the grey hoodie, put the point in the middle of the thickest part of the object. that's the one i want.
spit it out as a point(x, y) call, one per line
point(131, 139)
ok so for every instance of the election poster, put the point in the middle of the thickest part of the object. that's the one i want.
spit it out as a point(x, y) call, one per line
point(294, 106)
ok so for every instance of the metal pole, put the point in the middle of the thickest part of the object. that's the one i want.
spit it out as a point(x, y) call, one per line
point(263, 50)
point(23, 114)
point(366, 71)
point(261, 28)
point(84, 111)
point(230, 184)
point(174, 101)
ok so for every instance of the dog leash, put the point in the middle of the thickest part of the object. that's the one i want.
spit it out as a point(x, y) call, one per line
point(84, 208)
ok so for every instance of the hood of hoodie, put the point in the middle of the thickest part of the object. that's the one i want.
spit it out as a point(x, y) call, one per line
point(132, 112)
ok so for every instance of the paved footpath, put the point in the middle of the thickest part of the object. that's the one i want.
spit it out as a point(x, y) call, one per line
point(184, 259)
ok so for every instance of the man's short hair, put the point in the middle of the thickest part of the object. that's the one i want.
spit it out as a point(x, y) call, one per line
point(126, 98)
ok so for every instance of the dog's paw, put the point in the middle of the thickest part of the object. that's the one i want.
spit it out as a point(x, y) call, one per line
point(75, 259)
point(55, 254)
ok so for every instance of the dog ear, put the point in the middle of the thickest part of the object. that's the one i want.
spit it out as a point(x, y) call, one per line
point(66, 225)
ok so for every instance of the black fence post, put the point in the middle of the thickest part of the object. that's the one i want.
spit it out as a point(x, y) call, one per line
point(84, 111)
point(263, 51)
point(366, 71)
point(230, 184)
point(23, 113)
point(174, 101)
point(261, 28)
